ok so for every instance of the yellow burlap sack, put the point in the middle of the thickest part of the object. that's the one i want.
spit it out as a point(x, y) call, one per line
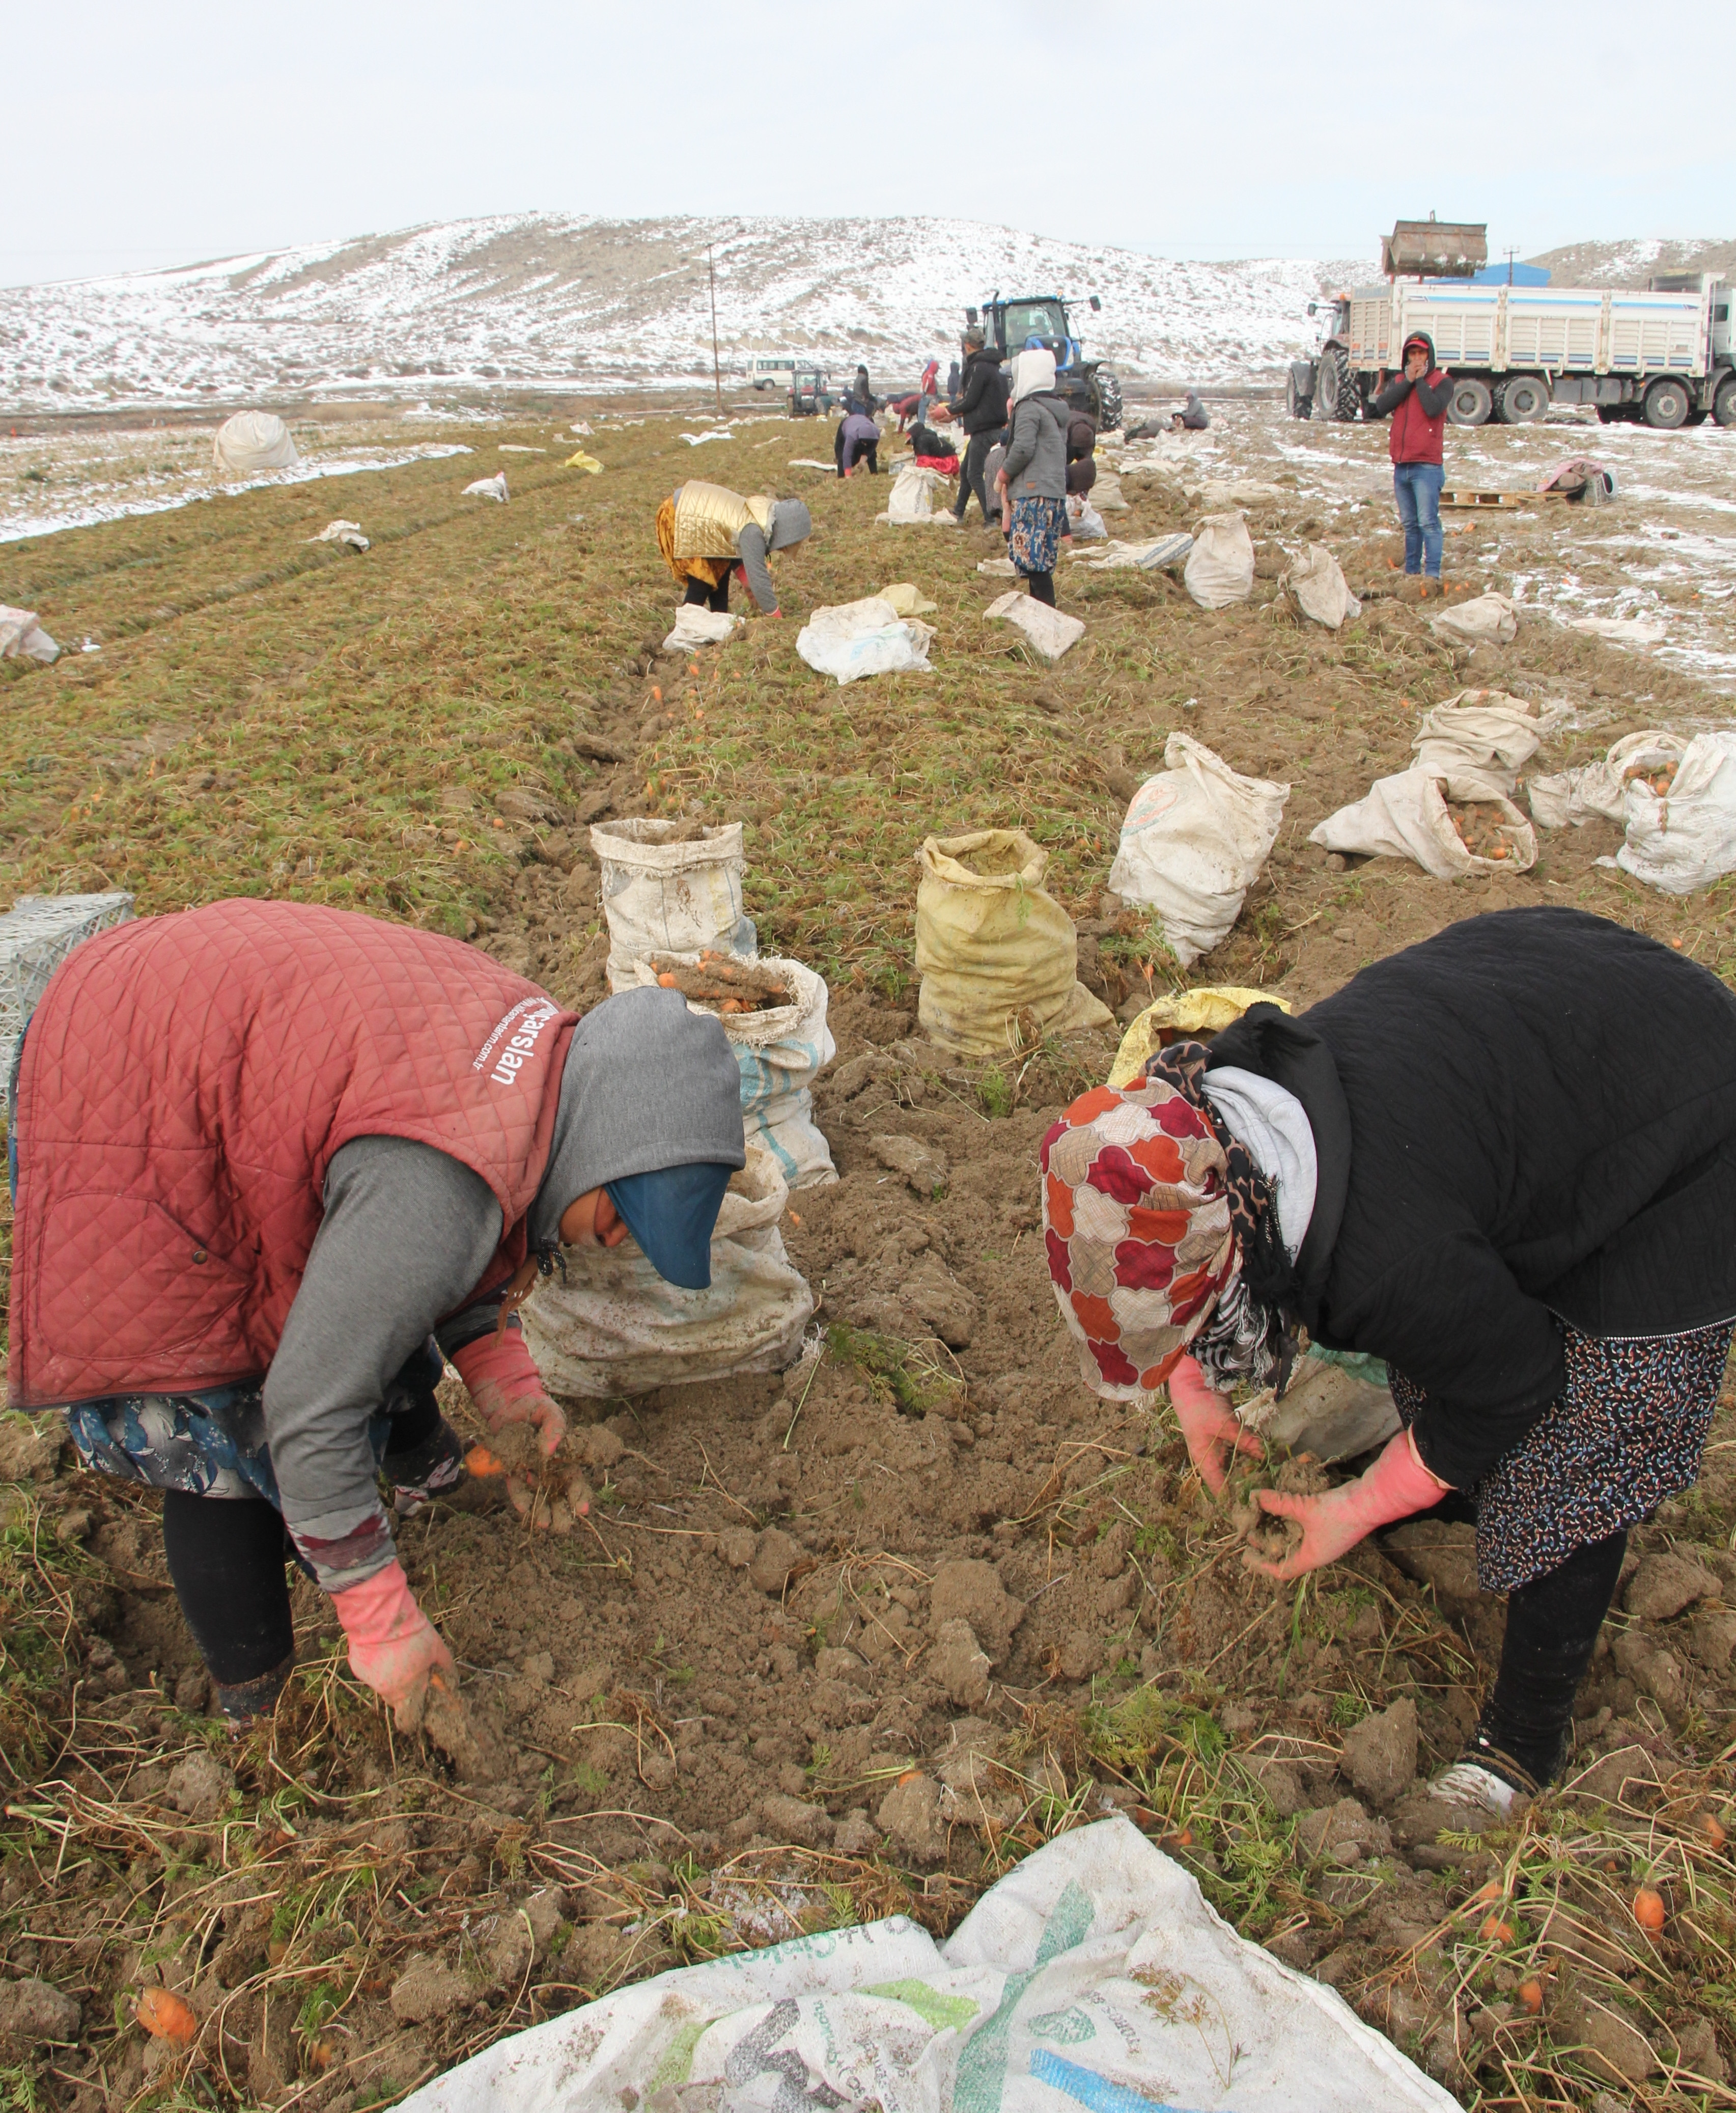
point(1206, 1010)
point(997, 956)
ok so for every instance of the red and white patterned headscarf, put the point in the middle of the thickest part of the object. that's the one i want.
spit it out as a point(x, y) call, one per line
point(1137, 1218)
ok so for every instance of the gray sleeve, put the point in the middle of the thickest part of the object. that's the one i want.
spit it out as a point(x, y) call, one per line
point(1022, 448)
point(408, 1231)
point(751, 545)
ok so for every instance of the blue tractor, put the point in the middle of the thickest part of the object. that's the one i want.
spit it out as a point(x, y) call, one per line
point(1043, 319)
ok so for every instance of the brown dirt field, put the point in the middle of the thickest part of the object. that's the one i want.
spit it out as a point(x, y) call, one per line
point(732, 1701)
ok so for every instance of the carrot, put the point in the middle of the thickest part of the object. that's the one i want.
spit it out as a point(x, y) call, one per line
point(1485, 1895)
point(168, 2016)
point(1495, 1931)
point(1648, 1911)
point(1531, 1995)
point(1712, 1827)
point(481, 1462)
point(657, 695)
point(667, 980)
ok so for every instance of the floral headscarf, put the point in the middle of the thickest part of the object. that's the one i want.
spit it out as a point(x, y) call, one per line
point(1137, 1222)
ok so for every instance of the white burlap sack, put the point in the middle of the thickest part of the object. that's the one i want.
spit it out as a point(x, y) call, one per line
point(670, 898)
point(695, 627)
point(997, 956)
point(252, 442)
point(23, 638)
point(1319, 588)
point(779, 1052)
point(1405, 816)
point(614, 1327)
point(1686, 838)
point(915, 491)
point(488, 487)
point(1047, 630)
point(1162, 556)
point(1220, 566)
point(868, 638)
point(1488, 620)
point(1484, 734)
point(1084, 521)
point(1195, 837)
point(1106, 494)
point(1574, 796)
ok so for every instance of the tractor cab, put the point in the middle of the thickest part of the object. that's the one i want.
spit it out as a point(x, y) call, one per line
point(1045, 320)
point(810, 392)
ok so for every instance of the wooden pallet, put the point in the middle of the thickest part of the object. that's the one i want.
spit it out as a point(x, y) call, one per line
point(1495, 502)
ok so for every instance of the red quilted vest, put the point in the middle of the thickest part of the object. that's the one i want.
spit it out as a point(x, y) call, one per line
point(186, 1082)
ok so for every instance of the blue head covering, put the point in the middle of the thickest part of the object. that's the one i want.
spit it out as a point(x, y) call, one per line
point(671, 1213)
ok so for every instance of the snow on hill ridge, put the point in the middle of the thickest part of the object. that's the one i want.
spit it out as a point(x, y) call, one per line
point(542, 300)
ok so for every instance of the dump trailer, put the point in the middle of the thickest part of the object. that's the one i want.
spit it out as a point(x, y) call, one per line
point(1665, 356)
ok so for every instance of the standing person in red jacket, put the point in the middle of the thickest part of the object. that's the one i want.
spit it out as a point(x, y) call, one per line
point(273, 1163)
point(1418, 399)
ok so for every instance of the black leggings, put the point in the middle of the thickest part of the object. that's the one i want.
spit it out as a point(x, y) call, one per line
point(716, 597)
point(970, 474)
point(226, 1554)
point(1043, 586)
point(1552, 1626)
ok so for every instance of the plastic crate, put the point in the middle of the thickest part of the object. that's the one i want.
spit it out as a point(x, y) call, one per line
point(36, 935)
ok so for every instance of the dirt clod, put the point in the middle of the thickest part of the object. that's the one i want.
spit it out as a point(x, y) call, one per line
point(31, 2011)
point(960, 1665)
point(1380, 1752)
point(198, 1786)
point(775, 1556)
point(472, 1745)
point(428, 1988)
point(1664, 1583)
point(910, 1814)
point(971, 1592)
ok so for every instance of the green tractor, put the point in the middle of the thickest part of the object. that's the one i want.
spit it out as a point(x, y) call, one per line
point(1043, 319)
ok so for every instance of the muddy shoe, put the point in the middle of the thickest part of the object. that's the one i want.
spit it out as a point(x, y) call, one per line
point(243, 1705)
point(433, 1468)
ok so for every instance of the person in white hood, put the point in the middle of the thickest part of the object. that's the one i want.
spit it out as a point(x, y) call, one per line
point(1032, 480)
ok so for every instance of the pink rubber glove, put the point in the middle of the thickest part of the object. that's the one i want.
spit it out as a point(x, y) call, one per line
point(506, 1387)
point(1211, 1427)
point(1397, 1485)
point(392, 1645)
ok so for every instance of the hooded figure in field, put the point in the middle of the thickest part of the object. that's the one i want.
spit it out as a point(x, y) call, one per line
point(706, 532)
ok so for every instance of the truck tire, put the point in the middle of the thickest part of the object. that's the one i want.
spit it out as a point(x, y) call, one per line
point(1667, 405)
point(1297, 403)
point(1519, 399)
point(1470, 402)
point(1107, 390)
point(1724, 403)
point(1337, 393)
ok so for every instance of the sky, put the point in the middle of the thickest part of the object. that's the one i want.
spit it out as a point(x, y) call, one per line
point(136, 137)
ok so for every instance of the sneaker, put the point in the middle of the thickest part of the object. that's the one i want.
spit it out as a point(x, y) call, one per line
point(433, 1468)
point(1478, 1790)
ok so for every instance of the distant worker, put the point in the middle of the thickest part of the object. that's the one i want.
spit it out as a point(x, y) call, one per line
point(706, 532)
point(952, 383)
point(860, 396)
point(1032, 480)
point(1081, 453)
point(1192, 417)
point(1418, 400)
point(980, 408)
point(857, 437)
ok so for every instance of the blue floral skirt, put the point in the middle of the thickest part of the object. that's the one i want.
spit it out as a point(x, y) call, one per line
point(1038, 527)
point(1626, 1432)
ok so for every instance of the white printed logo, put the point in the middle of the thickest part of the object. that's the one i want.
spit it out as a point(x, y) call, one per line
point(525, 1022)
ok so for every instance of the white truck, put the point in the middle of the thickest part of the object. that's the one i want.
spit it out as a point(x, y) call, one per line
point(1667, 356)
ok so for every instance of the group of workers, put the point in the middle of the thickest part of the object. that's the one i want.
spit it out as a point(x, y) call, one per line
point(274, 1165)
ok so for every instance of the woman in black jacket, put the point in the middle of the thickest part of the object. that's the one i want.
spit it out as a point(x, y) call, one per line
point(1504, 1161)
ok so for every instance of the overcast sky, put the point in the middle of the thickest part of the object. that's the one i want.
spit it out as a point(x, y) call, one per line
point(135, 137)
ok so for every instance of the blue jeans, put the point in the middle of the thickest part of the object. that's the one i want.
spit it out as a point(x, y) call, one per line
point(1416, 486)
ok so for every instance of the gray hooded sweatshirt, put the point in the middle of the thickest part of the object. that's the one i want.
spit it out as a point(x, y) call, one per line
point(408, 1232)
point(789, 524)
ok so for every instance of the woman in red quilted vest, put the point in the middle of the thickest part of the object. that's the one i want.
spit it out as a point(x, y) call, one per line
point(272, 1163)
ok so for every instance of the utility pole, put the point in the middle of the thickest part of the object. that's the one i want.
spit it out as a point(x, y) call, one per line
point(1511, 254)
point(717, 377)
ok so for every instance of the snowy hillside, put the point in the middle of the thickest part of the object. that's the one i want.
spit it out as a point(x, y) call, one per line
point(1632, 264)
point(539, 300)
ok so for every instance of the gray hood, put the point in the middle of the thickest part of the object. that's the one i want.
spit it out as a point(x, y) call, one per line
point(791, 522)
point(647, 1085)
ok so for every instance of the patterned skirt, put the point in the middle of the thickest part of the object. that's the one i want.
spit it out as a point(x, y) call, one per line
point(1626, 1432)
point(1038, 527)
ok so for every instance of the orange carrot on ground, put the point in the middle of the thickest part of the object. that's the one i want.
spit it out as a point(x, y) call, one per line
point(168, 2016)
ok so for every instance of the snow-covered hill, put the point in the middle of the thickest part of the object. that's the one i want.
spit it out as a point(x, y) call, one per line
point(537, 300)
point(1631, 264)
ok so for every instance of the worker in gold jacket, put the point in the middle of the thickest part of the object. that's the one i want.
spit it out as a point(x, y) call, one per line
point(706, 532)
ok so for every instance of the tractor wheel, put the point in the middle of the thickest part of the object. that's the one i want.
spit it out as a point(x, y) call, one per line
point(1667, 405)
point(1298, 404)
point(1520, 399)
point(1337, 393)
point(1724, 403)
point(1470, 402)
point(1106, 388)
